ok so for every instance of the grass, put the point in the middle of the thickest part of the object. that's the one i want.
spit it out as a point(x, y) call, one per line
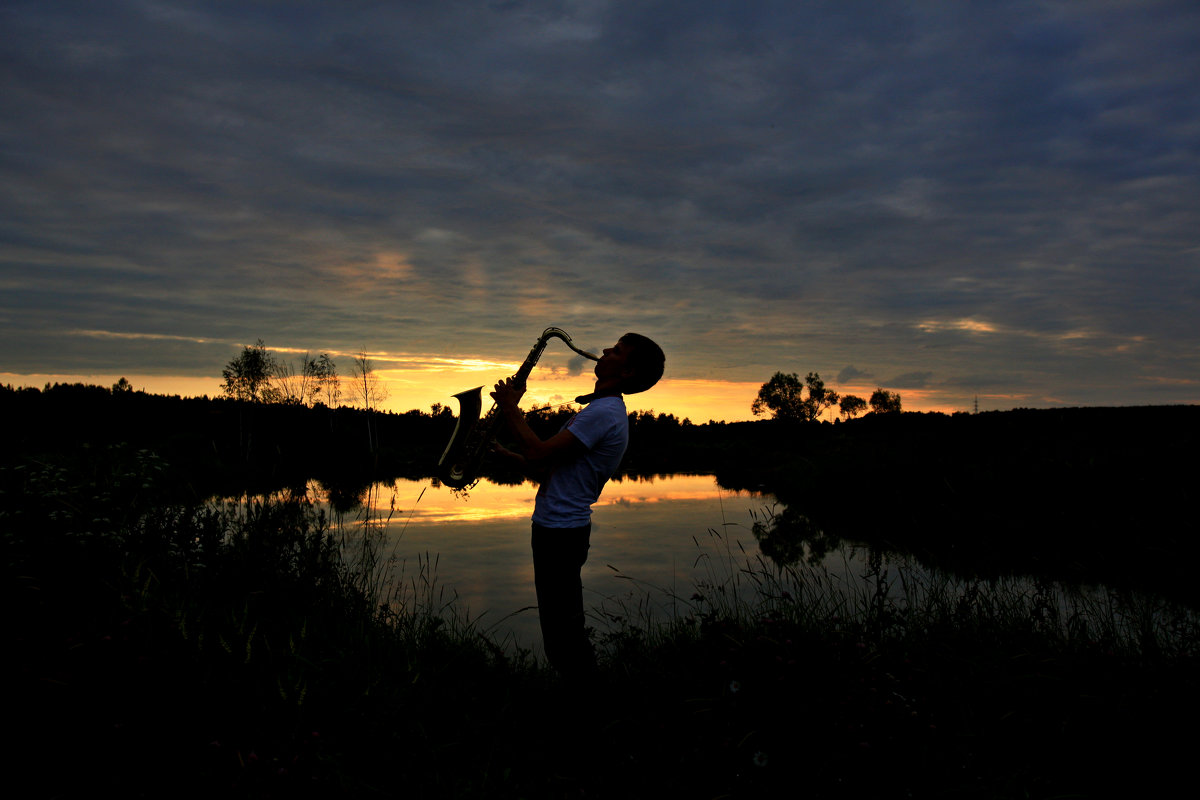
point(908, 682)
point(168, 649)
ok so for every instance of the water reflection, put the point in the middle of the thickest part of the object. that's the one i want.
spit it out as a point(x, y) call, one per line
point(649, 536)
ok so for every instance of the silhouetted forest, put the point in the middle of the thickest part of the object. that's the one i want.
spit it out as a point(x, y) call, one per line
point(222, 445)
point(1081, 494)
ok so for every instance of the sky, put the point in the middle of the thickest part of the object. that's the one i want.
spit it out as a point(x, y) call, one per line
point(961, 201)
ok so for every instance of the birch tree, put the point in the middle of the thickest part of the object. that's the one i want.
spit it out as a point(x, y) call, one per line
point(367, 391)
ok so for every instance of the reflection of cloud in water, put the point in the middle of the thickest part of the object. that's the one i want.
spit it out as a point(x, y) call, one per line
point(631, 492)
point(487, 501)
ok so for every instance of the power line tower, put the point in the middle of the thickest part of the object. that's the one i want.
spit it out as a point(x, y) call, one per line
point(976, 404)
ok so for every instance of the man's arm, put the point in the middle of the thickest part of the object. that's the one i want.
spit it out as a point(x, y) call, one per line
point(534, 471)
point(536, 450)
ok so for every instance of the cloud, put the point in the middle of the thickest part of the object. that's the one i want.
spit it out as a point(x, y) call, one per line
point(911, 380)
point(851, 373)
point(576, 365)
point(962, 189)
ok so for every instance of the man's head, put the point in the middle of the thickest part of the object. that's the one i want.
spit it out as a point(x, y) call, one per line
point(643, 362)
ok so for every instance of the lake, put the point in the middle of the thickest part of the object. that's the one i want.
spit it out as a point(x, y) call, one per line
point(655, 542)
point(652, 538)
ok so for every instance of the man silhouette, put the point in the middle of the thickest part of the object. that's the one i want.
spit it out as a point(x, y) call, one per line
point(573, 465)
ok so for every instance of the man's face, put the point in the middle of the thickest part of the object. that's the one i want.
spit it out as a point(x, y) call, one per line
point(613, 362)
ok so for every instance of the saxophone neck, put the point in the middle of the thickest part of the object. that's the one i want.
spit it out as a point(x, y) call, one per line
point(561, 334)
point(540, 346)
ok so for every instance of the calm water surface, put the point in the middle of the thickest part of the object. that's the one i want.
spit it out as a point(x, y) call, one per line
point(654, 540)
point(651, 538)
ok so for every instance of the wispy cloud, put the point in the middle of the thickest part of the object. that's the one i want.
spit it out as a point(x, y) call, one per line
point(150, 336)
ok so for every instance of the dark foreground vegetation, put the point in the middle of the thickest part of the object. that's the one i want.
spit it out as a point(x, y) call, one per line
point(164, 650)
point(166, 646)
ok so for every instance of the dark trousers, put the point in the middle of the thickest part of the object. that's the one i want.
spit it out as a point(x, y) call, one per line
point(558, 557)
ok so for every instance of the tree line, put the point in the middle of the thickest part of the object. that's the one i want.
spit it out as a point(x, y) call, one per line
point(786, 398)
point(260, 376)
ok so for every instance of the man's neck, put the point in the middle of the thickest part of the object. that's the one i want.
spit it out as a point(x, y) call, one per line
point(610, 388)
point(601, 389)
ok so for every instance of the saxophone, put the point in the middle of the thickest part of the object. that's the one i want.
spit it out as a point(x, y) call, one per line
point(458, 467)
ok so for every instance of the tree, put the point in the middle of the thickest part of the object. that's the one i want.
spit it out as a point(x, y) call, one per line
point(287, 385)
point(784, 397)
point(248, 376)
point(367, 390)
point(315, 379)
point(851, 406)
point(327, 386)
point(885, 402)
point(819, 398)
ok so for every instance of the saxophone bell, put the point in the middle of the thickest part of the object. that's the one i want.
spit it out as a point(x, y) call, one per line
point(454, 467)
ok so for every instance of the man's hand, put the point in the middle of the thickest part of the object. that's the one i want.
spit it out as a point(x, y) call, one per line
point(529, 470)
point(536, 451)
point(503, 452)
point(508, 393)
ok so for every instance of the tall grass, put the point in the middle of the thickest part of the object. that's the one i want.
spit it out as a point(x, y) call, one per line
point(408, 594)
point(247, 645)
point(882, 678)
point(888, 597)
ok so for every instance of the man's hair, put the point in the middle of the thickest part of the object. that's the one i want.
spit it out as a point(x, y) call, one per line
point(647, 360)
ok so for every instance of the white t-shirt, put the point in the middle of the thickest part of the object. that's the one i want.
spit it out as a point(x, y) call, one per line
point(564, 500)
